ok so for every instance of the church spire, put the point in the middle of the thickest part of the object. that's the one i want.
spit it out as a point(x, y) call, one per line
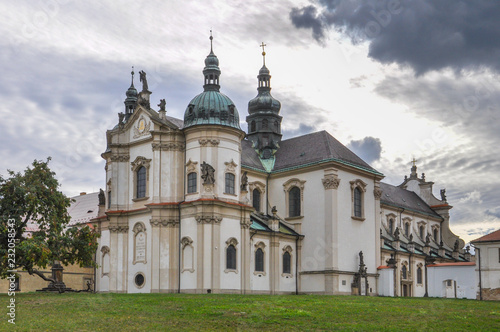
point(264, 121)
point(131, 99)
point(211, 71)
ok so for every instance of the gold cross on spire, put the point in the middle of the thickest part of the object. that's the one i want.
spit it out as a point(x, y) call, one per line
point(414, 161)
point(263, 52)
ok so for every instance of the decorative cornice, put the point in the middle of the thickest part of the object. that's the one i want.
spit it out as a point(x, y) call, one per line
point(257, 185)
point(118, 229)
point(245, 224)
point(163, 222)
point(232, 241)
point(331, 182)
point(140, 161)
point(230, 166)
point(212, 142)
point(168, 146)
point(191, 166)
point(120, 157)
point(186, 241)
point(139, 227)
point(208, 219)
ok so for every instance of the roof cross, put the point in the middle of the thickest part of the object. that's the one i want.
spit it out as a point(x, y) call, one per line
point(263, 52)
point(414, 161)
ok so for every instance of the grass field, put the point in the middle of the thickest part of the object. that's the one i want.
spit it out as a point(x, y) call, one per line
point(126, 312)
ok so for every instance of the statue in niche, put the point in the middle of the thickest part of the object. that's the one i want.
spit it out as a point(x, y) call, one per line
point(427, 239)
point(396, 233)
point(102, 199)
point(244, 181)
point(207, 173)
point(443, 195)
point(162, 104)
point(455, 247)
point(142, 78)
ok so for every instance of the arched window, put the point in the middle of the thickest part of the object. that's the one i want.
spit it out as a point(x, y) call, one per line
point(357, 203)
point(231, 257)
point(407, 228)
point(192, 182)
point(436, 234)
point(252, 127)
point(287, 266)
point(419, 275)
point(421, 231)
point(256, 199)
point(404, 272)
point(229, 183)
point(141, 182)
point(391, 226)
point(294, 202)
point(259, 260)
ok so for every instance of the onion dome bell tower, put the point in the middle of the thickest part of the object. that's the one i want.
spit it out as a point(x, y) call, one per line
point(264, 121)
point(211, 106)
point(131, 99)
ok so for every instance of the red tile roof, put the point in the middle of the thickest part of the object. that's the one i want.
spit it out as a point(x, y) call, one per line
point(492, 237)
point(453, 264)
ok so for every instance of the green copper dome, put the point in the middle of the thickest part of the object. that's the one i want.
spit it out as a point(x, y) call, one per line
point(211, 106)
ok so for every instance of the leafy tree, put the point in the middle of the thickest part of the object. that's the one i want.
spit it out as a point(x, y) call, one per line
point(34, 196)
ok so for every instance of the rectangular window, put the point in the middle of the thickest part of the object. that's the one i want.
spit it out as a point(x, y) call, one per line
point(259, 260)
point(141, 182)
point(229, 183)
point(357, 203)
point(231, 258)
point(287, 268)
point(191, 183)
point(109, 199)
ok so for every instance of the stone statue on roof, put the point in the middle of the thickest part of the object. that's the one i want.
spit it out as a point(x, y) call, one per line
point(443, 195)
point(102, 199)
point(162, 104)
point(142, 78)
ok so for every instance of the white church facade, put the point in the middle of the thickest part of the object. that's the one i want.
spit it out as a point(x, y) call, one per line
point(199, 206)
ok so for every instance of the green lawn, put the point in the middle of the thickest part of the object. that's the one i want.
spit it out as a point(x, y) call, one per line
point(114, 312)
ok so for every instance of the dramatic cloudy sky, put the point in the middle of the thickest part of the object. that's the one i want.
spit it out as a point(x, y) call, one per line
point(392, 80)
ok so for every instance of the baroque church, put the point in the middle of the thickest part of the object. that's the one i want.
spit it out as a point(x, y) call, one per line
point(196, 205)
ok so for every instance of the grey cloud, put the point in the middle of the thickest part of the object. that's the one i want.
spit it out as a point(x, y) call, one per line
point(299, 117)
point(423, 34)
point(468, 105)
point(307, 17)
point(495, 212)
point(369, 148)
